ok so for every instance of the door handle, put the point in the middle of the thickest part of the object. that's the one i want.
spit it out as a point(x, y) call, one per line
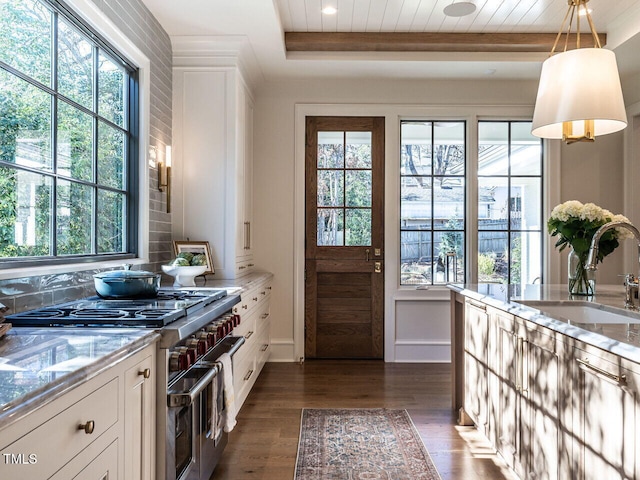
point(367, 251)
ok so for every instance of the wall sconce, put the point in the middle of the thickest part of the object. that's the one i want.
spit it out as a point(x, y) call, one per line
point(164, 171)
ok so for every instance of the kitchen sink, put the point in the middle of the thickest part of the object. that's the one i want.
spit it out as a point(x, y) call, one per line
point(583, 312)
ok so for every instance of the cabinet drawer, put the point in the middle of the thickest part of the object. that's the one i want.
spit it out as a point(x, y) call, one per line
point(99, 407)
point(244, 267)
point(244, 370)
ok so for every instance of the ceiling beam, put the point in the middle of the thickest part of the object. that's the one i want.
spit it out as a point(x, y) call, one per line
point(429, 42)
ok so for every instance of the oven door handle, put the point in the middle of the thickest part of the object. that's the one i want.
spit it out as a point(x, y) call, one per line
point(184, 399)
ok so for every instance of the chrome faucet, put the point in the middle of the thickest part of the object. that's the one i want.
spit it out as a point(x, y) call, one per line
point(631, 281)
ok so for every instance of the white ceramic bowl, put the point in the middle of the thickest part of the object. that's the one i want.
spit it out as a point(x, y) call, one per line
point(184, 276)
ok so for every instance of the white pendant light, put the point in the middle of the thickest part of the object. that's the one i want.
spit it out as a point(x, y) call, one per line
point(579, 95)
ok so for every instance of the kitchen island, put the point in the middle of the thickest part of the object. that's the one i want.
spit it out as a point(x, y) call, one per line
point(557, 397)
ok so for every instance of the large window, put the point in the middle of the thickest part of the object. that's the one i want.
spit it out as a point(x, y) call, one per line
point(67, 117)
point(510, 224)
point(432, 203)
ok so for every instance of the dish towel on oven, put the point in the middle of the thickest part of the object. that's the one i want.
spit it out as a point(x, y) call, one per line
point(229, 395)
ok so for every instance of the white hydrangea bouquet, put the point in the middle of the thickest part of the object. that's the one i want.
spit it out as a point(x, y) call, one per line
point(575, 224)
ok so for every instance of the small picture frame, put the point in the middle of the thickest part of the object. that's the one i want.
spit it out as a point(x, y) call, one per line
point(180, 246)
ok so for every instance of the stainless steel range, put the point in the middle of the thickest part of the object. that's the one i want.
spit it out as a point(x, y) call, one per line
point(196, 329)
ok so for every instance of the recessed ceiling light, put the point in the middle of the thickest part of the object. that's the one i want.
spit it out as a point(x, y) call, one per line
point(330, 10)
point(459, 9)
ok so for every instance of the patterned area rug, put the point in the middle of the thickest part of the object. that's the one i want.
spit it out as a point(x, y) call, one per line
point(361, 445)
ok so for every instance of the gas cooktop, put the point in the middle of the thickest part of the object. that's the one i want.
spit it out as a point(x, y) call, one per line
point(167, 307)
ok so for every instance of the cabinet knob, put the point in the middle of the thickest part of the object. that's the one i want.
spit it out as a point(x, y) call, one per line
point(87, 427)
point(245, 307)
point(146, 373)
point(255, 299)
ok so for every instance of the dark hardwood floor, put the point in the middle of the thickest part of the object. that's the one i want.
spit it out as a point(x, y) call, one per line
point(264, 443)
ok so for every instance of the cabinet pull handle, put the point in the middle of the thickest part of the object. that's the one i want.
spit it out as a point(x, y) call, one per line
point(235, 310)
point(265, 315)
point(612, 376)
point(263, 293)
point(241, 267)
point(87, 427)
point(146, 373)
point(255, 299)
point(264, 347)
point(248, 375)
point(251, 265)
point(244, 307)
point(248, 335)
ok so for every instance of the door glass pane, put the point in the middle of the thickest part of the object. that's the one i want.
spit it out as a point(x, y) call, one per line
point(111, 218)
point(74, 214)
point(493, 257)
point(358, 188)
point(330, 227)
point(330, 188)
point(111, 90)
point(493, 203)
point(25, 38)
point(26, 214)
point(25, 123)
point(111, 156)
point(526, 150)
point(330, 150)
point(75, 143)
point(415, 206)
point(493, 148)
point(358, 232)
point(75, 66)
point(358, 150)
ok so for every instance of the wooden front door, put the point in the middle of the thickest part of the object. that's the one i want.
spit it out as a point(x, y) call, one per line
point(344, 251)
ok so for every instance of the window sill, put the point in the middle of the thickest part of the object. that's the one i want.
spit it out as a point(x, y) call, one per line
point(11, 273)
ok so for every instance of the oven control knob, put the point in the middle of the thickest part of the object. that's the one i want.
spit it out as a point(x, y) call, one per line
point(191, 355)
point(236, 320)
point(193, 346)
point(212, 332)
point(174, 362)
point(203, 342)
point(185, 359)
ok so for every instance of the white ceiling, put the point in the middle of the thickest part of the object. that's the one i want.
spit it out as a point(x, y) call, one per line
point(261, 24)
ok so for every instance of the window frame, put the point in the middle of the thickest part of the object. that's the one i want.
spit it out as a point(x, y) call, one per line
point(549, 188)
point(432, 176)
point(509, 176)
point(137, 87)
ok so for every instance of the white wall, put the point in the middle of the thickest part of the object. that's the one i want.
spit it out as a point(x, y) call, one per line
point(275, 187)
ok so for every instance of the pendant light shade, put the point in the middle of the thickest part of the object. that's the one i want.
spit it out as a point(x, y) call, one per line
point(575, 86)
point(579, 95)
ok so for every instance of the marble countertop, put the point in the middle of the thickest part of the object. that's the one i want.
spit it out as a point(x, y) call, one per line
point(39, 364)
point(622, 339)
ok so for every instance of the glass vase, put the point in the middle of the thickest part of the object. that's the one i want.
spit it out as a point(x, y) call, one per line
point(581, 280)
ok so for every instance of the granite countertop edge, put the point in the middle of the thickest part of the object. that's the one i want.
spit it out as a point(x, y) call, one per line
point(20, 407)
point(616, 339)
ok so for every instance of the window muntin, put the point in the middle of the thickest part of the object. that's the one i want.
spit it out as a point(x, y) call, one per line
point(510, 224)
point(432, 202)
point(344, 185)
point(67, 102)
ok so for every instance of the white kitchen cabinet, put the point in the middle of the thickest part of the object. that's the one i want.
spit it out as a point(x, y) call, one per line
point(553, 407)
point(254, 311)
point(85, 433)
point(139, 420)
point(213, 157)
point(606, 416)
point(476, 345)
